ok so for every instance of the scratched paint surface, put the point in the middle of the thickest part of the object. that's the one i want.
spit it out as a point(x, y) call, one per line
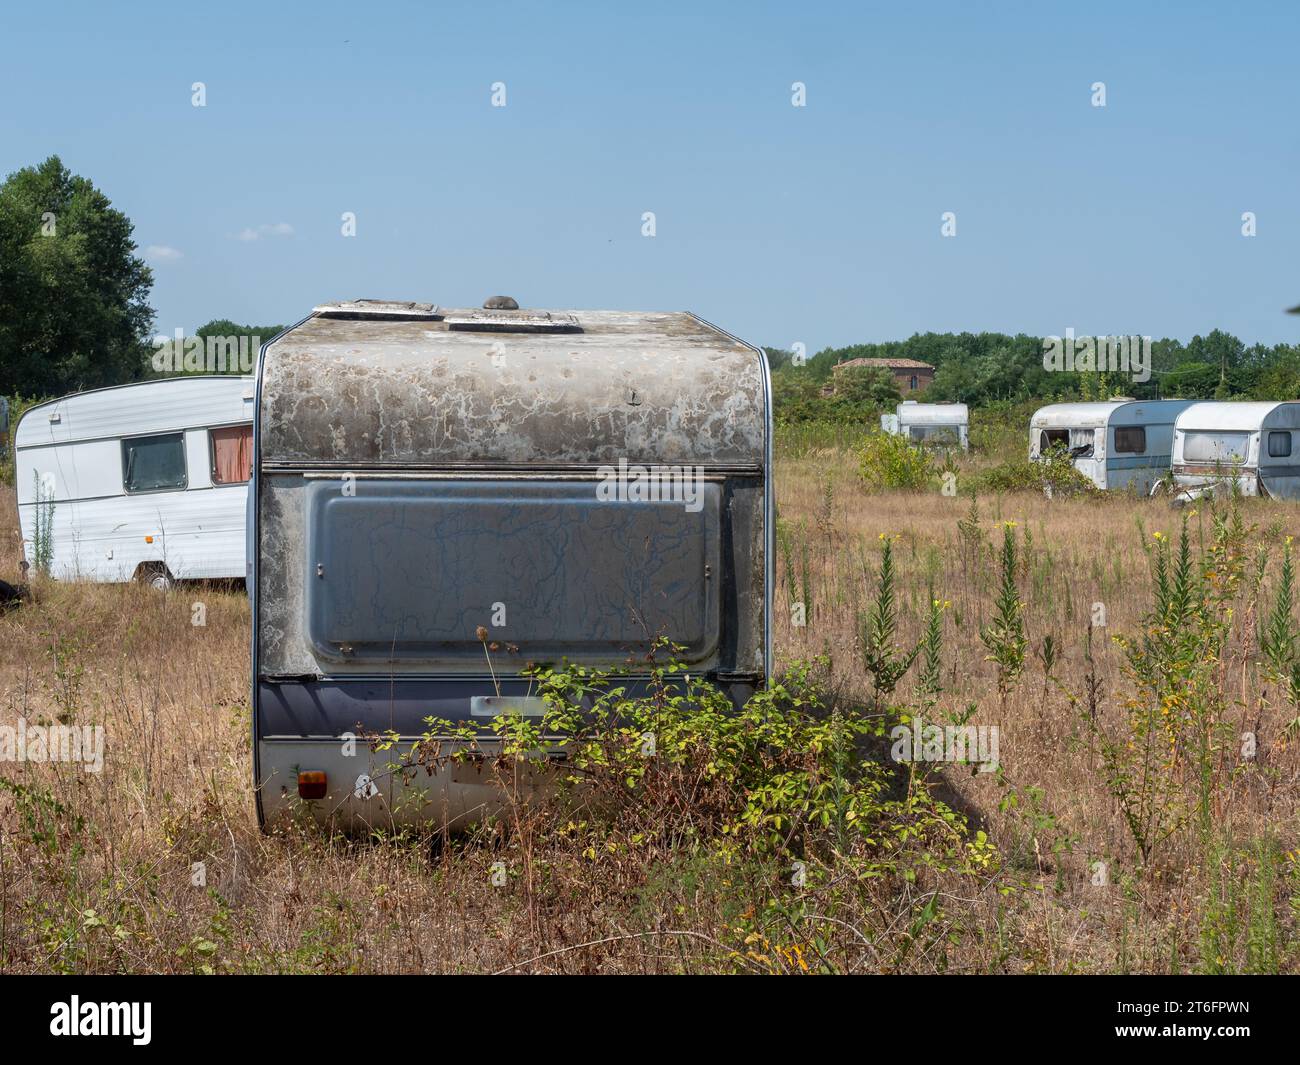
point(408, 571)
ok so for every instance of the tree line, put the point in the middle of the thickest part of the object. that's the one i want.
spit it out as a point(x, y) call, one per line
point(984, 368)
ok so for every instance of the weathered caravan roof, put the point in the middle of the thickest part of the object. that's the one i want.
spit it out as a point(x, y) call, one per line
point(437, 387)
point(158, 406)
point(910, 413)
point(1096, 415)
point(1242, 416)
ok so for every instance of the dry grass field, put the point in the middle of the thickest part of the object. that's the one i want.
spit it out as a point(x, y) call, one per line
point(1102, 847)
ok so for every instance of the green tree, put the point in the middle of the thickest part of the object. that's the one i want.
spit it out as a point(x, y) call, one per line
point(1193, 380)
point(861, 391)
point(224, 327)
point(779, 358)
point(853, 396)
point(73, 294)
point(797, 396)
point(1280, 379)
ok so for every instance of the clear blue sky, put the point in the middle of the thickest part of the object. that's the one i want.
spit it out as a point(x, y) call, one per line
point(818, 224)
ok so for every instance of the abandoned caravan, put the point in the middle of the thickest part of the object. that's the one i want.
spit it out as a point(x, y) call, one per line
point(442, 497)
point(146, 481)
point(1120, 443)
point(1249, 447)
point(930, 423)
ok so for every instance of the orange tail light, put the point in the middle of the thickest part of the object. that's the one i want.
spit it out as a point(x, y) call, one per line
point(311, 784)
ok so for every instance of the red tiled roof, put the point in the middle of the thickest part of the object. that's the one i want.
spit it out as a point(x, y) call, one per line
point(889, 364)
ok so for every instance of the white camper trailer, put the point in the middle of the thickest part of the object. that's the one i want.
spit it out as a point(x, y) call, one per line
point(427, 479)
point(1117, 444)
point(147, 481)
point(1254, 446)
point(930, 423)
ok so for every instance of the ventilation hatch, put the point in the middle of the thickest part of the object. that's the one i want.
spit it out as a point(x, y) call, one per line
point(502, 321)
point(386, 310)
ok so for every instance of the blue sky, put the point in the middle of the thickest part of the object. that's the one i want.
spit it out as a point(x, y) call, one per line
point(818, 224)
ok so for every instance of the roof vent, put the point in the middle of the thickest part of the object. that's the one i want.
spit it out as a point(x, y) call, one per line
point(383, 310)
point(500, 303)
point(512, 321)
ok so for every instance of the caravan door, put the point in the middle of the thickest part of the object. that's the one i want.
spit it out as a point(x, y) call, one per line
point(1129, 464)
point(1279, 463)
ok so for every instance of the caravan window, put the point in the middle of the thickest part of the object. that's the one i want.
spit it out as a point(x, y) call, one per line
point(1130, 440)
point(154, 463)
point(232, 454)
point(1279, 445)
point(1049, 438)
point(1215, 447)
point(407, 571)
point(933, 434)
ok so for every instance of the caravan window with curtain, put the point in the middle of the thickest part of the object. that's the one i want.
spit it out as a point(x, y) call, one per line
point(232, 454)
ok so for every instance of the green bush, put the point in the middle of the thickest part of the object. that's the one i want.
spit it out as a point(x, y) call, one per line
point(886, 460)
point(1054, 473)
point(680, 766)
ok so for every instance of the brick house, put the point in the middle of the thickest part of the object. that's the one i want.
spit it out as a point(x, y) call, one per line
point(909, 374)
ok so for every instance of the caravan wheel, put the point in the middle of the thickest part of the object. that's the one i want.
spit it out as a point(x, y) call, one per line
point(155, 575)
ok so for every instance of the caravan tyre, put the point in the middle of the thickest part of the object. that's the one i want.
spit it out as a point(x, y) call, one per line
point(156, 575)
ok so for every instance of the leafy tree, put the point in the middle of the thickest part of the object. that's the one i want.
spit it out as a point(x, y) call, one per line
point(778, 358)
point(797, 396)
point(224, 327)
point(854, 396)
point(1280, 379)
point(73, 294)
point(1218, 348)
point(256, 335)
point(863, 390)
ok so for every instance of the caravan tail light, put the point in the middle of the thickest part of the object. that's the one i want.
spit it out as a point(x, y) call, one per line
point(311, 784)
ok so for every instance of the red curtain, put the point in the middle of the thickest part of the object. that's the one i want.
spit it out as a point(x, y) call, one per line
point(232, 454)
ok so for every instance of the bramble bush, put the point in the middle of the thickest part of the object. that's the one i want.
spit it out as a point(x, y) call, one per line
point(681, 767)
point(889, 461)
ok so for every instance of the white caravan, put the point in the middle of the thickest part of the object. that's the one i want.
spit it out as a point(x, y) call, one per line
point(1254, 445)
point(1117, 444)
point(147, 481)
point(929, 423)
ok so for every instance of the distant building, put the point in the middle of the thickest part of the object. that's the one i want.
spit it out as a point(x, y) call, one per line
point(909, 374)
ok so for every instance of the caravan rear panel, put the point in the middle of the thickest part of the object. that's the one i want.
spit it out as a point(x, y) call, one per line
point(572, 484)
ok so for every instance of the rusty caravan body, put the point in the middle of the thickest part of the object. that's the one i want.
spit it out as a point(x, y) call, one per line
point(575, 483)
point(1252, 448)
